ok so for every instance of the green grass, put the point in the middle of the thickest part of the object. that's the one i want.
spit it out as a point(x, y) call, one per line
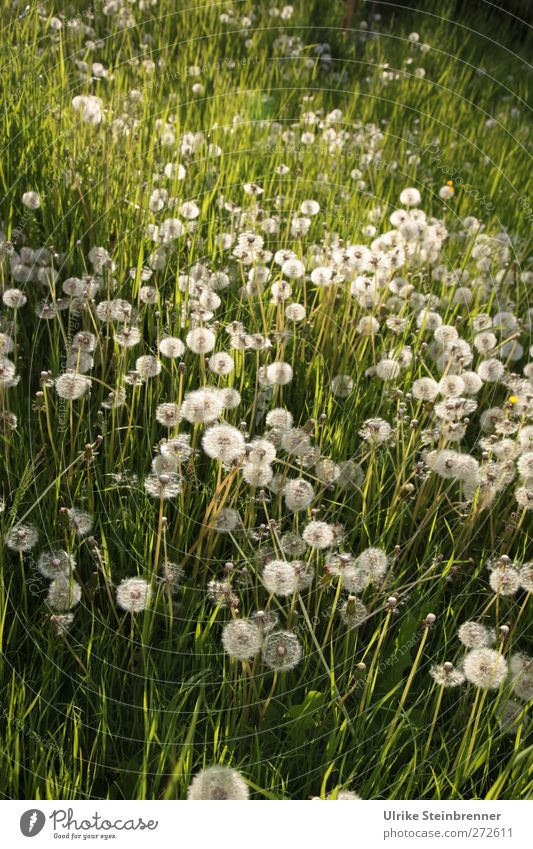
point(130, 707)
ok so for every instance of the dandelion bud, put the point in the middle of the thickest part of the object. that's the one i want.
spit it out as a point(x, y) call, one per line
point(430, 620)
point(504, 631)
point(392, 601)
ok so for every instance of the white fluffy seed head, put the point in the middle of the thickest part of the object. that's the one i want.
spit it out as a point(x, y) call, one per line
point(223, 442)
point(298, 494)
point(262, 451)
point(221, 363)
point(280, 577)
point(279, 418)
point(241, 639)
point(485, 668)
point(425, 389)
point(319, 535)
point(281, 651)
point(133, 595)
point(473, 635)
point(504, 580)
point(217, 783)
point(257, 474)
point(201, 340)
point(72, 385)
point(53, 564)
point(202, 406)
point(374, 561)
point(63, 593)
point(279, 373)
point(171, 347)
point(491, 370)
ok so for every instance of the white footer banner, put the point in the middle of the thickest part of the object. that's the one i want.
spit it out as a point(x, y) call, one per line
point(262, 825)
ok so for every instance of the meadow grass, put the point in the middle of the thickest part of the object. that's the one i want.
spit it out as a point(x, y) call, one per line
point(130, 706)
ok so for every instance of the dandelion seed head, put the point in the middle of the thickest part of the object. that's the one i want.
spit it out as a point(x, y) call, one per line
point(410, 197)
point(279, 373)
point(262, 451)
point(221, 363)
point(298, 494)
point(281, 651)
point(504, 581)
point(353, 612)
point(342, 385)
point(241, 639)
point(280, 577)
point(374, 561)
point(202, 406)
point(227, 520)
point(223, 442)
point(319, 535)
point(218, 783)
point(491, 370)
point(525, 575)
point(133, 595)
point(72, 385)
point(168, 414)
point(521, 673)
point(31, 200)
point(163, 486)
point(22, 538)
point(63, 594)
point(279, 418)
point(447, 675)
point(257, 474)
point(80, 521)
point(148, 366)
point(485, 668)
point(376, 431)
point(52, 564)
point(201, 340)
point(171, 347)
point(473, 635)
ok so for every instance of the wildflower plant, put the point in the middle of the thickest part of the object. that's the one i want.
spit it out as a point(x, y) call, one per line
point(266, 403)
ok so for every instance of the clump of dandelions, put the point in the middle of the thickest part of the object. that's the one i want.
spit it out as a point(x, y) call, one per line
point(217, 783)
point(485, 668)
point(241, 639)
point(133, 595)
